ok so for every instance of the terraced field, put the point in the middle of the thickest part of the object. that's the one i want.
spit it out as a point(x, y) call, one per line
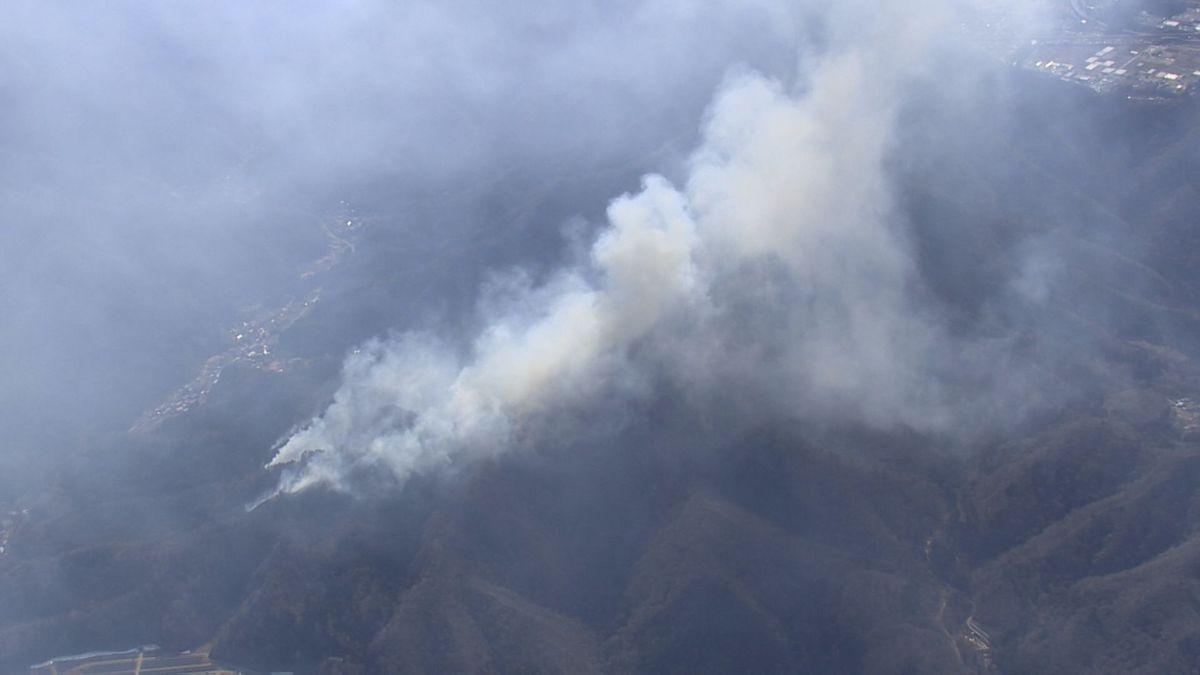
point(134, 662)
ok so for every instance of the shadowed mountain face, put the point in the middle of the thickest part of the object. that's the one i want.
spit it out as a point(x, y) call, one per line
point(1052, 526)
point(780, 551)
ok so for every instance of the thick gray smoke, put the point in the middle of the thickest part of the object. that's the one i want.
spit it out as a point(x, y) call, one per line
point(779, 263)
point(411, 404)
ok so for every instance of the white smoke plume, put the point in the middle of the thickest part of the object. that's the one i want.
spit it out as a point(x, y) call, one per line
point(785, 218)
point(410, 405)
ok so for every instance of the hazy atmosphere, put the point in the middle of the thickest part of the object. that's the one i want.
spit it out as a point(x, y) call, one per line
point(648, 336)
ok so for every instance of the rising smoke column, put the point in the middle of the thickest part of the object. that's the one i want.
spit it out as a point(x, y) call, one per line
point(411, 405)
point(793, 183)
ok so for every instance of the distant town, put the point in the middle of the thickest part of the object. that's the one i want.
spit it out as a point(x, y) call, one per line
point(252, 341)
point(1122, 47)
point(10, 518)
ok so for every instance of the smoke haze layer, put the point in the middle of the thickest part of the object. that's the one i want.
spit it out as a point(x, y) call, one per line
point(165, 166)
